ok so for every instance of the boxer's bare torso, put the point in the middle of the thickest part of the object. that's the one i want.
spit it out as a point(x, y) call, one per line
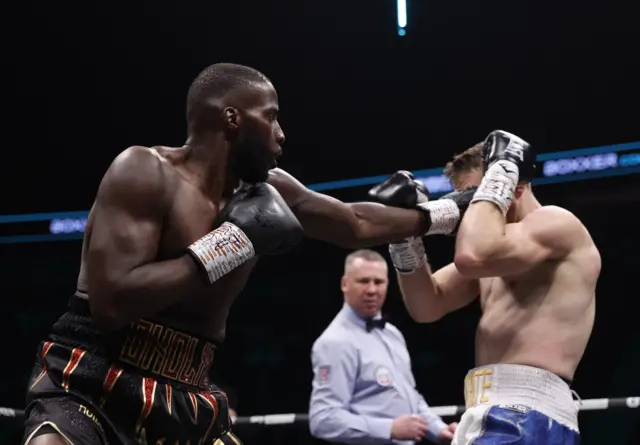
point(130, 226)
point(187, 214)
point(542, 318)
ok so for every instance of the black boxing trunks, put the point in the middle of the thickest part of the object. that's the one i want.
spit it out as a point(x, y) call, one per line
point(146, 384)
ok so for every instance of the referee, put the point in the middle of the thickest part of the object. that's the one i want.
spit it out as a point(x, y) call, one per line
point(363, 388)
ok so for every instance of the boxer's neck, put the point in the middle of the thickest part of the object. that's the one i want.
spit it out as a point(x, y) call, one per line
point(525, 205)
point(207, 164)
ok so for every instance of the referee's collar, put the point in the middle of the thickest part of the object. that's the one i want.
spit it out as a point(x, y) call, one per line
point(356, 319)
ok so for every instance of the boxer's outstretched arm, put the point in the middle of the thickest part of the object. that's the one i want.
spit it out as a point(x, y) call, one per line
point(347, 225)
point(125, 281)
point(488, 247)
point(429, 297)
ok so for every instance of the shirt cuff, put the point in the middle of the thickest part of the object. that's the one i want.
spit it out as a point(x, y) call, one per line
point(435, 430)
point(380, 428)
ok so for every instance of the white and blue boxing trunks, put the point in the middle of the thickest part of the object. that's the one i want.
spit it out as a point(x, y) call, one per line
point(517, 405)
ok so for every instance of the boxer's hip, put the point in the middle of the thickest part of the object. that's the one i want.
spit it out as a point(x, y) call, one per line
point(507, 403)
point(144, 347)
point(147, 379)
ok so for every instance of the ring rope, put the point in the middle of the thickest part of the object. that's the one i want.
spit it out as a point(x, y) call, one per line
point(17, 415)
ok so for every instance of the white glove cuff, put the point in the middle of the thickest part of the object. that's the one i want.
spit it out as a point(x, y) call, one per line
point(444, 215)
point(408, 255)
point(222, 250)
point(498, 185)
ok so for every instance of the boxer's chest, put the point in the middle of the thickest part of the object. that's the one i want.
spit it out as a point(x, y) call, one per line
point(189, 216)
point(521, 290)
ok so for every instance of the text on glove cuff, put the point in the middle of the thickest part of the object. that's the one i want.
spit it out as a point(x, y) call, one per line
point(408, 255)
point(444, 215)
point(222, 250)
point(498, 185)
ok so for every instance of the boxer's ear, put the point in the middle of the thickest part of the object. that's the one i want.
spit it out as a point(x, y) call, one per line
point(231, 118)
point(517, 193)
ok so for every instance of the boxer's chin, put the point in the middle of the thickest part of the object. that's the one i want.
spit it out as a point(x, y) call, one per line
point(253, 175)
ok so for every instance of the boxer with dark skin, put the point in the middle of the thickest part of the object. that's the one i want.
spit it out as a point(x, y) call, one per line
point(172, 237)
point(143, 246)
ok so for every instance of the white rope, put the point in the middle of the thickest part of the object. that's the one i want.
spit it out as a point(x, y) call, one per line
point(448, 411)
point(16, 415)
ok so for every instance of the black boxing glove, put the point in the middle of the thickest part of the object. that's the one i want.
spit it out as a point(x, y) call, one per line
point(257, 221)
point(462, 199)
point(401, 190)
point(409, 254)
point(509, 161)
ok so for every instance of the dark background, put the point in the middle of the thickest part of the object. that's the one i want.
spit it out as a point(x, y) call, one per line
point(82, 81)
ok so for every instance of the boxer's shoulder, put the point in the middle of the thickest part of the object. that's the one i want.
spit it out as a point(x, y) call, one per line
point(558, 227)
point(135, 172)
point(137, 160)
point(547, 219)
point(552, 211)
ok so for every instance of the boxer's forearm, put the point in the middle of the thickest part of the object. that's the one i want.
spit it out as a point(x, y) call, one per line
point(358, 224)
point(347, 225)
point(481, 233)
point(434, 295)
point(143, 291)
point(420, 294)
point(378, 224)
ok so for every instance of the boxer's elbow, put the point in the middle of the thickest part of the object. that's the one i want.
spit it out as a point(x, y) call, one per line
point(105, 321)
point(105, 318)
point(477, 256)
point(472, 264)
point(106, 311)
point(426, 316)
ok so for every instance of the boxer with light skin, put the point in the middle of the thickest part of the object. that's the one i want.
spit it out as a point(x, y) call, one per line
point(535, 270)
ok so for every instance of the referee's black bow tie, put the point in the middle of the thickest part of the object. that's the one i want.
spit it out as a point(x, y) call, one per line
point(377, 323)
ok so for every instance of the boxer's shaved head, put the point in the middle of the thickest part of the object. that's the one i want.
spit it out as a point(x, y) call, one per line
point(218, 80)
point(242, 104)
point(466, 164)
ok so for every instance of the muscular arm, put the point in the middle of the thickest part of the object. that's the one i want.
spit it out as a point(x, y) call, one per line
point(347, 225)
point(429, 297)
point(488, 247)
point(124, 279)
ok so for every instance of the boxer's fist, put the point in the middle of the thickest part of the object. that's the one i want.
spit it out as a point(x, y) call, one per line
point(400, 190)
point(257, 221)
point(410, 427)
point(263, 215)
point(462, 199)
point(509, 161)
point(510, 150)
